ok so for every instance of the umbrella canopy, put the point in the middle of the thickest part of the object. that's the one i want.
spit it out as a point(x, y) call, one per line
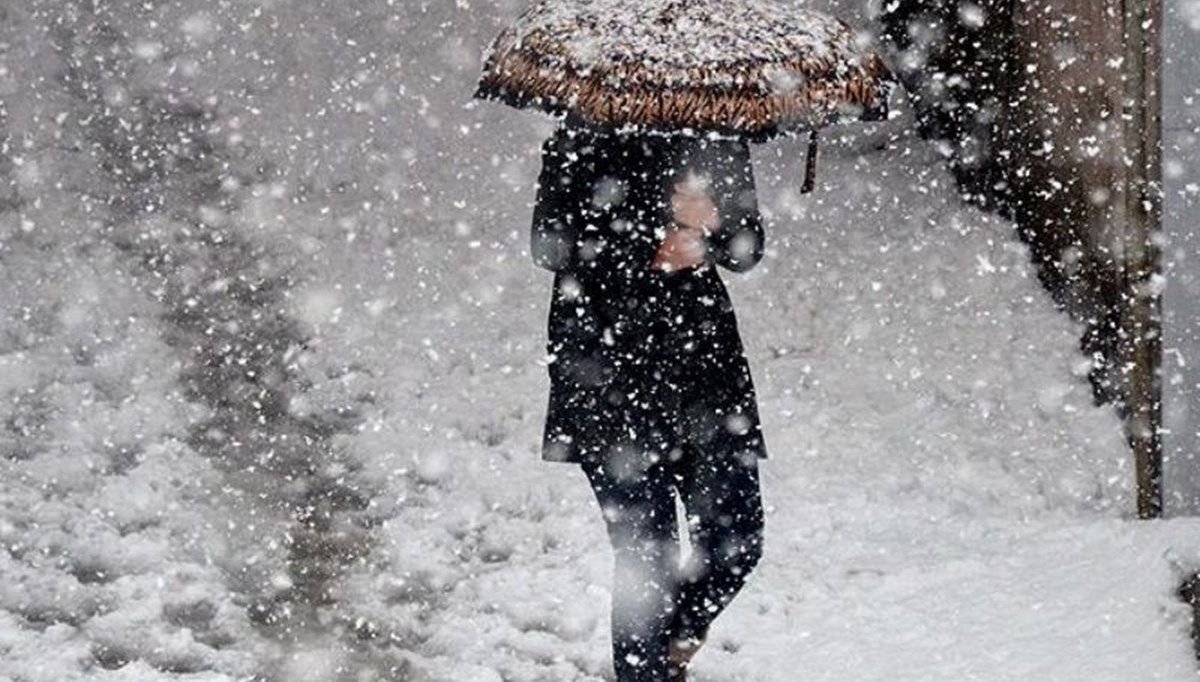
point(752, 68)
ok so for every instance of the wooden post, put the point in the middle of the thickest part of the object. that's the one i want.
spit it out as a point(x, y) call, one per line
point(1140, 243)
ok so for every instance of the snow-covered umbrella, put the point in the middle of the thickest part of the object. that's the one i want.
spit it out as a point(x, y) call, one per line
point(748, 68)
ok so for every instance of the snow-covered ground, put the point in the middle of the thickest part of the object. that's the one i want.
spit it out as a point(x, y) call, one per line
point(944, 502)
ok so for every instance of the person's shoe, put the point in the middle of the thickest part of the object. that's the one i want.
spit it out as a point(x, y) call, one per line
point(679, 655)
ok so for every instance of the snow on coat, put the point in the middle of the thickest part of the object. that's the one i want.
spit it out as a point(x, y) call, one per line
point(642, 361)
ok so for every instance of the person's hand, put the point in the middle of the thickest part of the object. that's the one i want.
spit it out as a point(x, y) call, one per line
point(682, 248)
point(692, 205)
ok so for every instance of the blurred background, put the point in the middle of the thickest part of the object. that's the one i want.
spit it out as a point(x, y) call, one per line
point(272, 363)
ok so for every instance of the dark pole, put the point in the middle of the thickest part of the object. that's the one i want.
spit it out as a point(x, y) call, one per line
point(1142, 271)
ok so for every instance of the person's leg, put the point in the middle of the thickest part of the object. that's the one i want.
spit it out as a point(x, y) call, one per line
point(639, 512)
point(720, 490)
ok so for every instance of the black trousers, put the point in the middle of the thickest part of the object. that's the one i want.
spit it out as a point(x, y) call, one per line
point(655, 599)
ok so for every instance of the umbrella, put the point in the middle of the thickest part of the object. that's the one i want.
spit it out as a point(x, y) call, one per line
point(754, 68)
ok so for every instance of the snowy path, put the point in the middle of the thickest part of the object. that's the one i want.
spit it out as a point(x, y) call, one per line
point(944, 503)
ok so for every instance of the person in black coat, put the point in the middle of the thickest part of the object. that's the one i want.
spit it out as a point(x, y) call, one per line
point(650, 389)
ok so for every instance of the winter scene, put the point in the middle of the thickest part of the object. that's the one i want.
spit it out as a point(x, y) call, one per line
point(599, 340)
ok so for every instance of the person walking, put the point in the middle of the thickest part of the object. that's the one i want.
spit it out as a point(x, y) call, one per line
point(650, 389)
point(646, 189)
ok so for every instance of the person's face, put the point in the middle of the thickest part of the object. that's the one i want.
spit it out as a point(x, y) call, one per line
point(691, 202)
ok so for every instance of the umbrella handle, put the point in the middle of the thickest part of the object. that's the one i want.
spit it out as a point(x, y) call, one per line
point(810, 167)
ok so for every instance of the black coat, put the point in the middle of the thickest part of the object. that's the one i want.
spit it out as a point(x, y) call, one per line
point(642, 362)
